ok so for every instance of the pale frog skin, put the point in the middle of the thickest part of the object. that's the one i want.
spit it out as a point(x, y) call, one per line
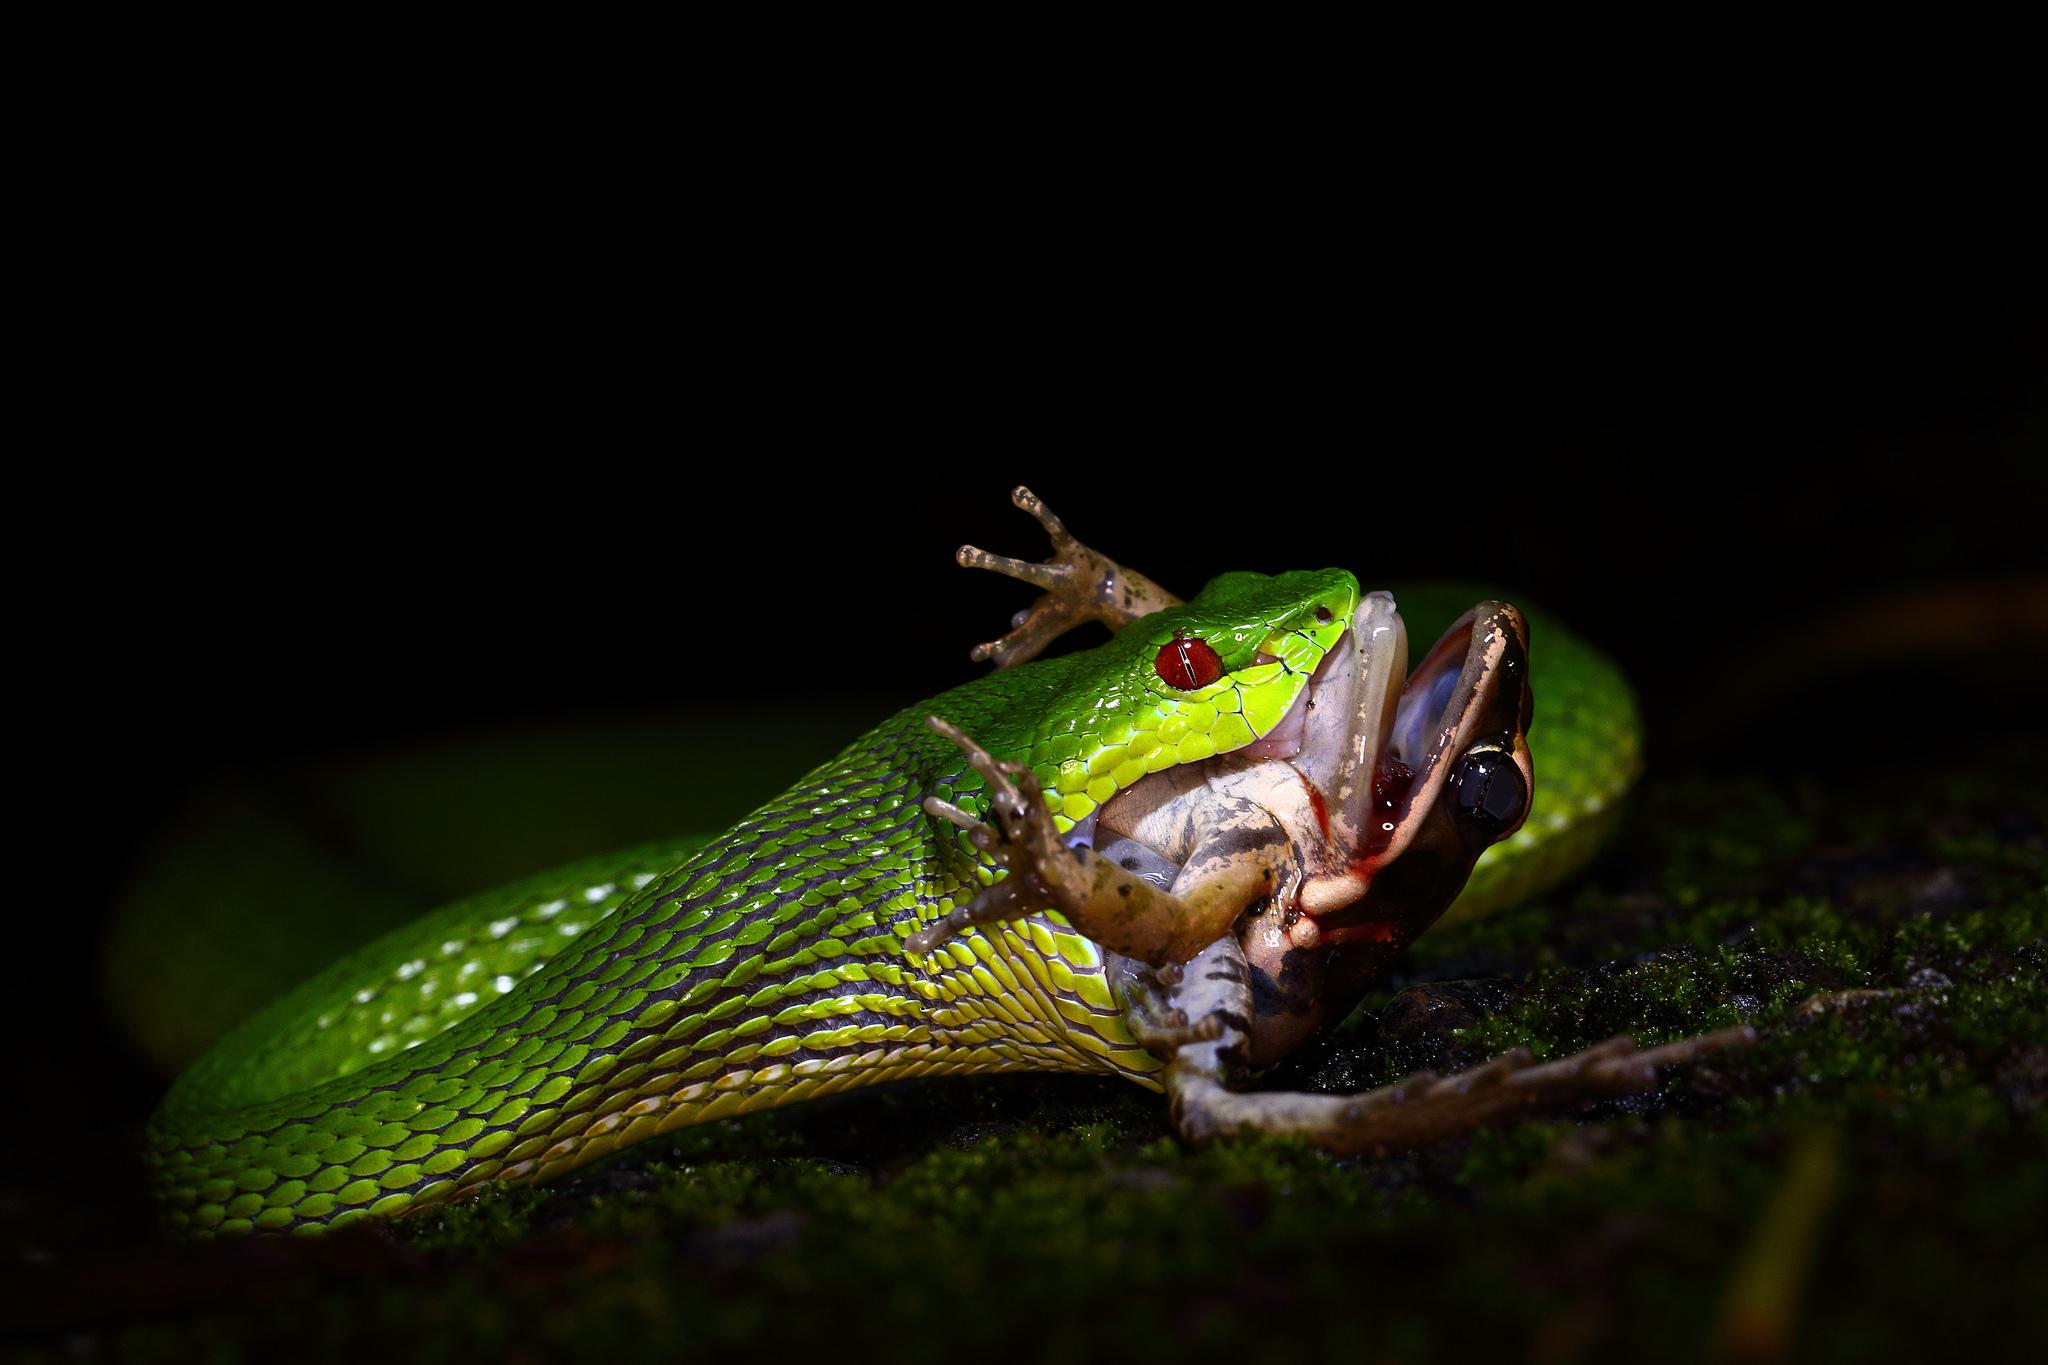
point(1173, 858)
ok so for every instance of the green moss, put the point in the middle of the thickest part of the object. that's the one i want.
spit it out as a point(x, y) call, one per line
point(1046, 1215)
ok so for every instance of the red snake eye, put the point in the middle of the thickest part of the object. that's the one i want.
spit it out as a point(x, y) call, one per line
point(1188, 664)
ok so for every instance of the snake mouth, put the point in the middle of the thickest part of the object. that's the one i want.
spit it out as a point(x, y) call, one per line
point(1382, 746)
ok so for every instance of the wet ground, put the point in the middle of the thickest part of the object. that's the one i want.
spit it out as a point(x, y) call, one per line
point(1868, 1182)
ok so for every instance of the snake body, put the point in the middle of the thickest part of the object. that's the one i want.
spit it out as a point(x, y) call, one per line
point(520, 1033)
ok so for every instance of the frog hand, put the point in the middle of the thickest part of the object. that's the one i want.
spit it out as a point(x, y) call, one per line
point(1411, 1113)
point(1080, 585)
point(1121, 911)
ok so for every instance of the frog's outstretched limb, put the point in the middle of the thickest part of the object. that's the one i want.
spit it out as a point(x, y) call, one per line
point(1080, 585)
point(1120, 911)
point(1410, 1113)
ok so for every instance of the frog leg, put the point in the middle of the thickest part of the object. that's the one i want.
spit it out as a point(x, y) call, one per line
point(1080, 585)
point(1415, 1112)
point(1242, 859)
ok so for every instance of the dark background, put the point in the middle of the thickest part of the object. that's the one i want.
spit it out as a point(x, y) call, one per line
point(357, 526)
point(397, 490)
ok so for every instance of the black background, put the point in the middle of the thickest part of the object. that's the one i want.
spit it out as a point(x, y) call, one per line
point(367, 488)
point(352, 526)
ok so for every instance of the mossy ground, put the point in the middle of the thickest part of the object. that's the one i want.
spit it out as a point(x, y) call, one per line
point(1869, 1182)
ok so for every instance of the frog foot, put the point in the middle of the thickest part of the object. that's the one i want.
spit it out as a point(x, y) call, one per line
point(1020, 842)
point(1415, 1112)
point(1120, 911)
point(1080, 585)
point(1172, 1032)
point(1157, 1025)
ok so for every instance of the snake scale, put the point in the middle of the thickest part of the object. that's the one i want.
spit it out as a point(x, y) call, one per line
point(520, 1033)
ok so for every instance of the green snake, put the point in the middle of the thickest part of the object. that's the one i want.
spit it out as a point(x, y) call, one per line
point(1170, 857)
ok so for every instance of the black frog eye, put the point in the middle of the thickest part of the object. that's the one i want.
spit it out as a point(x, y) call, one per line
point(1487, 791)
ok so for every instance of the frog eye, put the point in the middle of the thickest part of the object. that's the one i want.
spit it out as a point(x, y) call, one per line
point(1487, 791)
point(1188, 664)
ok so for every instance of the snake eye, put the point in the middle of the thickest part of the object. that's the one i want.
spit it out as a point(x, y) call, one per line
point(1188, 664)
point(1487, 791)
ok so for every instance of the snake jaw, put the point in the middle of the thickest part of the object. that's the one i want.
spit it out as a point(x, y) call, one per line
point(1437, 753)
point(1351, 708)
point(1381, 754)
point(1451, 776)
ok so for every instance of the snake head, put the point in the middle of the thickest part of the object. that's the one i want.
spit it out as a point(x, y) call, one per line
point(1210, 676)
